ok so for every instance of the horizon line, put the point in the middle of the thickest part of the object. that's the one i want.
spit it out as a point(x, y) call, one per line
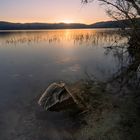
point(53, 22)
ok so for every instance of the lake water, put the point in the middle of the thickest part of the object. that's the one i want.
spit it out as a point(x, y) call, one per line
point(31, 60)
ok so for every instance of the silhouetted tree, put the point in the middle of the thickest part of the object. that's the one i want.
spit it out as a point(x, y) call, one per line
point(122, 10)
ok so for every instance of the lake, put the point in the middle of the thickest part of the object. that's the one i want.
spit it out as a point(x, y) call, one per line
point(31, 60)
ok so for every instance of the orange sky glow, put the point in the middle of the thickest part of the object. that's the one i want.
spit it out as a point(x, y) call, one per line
point(51, 11)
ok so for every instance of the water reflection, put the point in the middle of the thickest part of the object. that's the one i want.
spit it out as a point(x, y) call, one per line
point(78, 37)
point(59, 54)
point(31, 60)
point(127, 78)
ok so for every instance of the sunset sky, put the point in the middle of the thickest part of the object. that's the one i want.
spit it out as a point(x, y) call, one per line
point(51, 11)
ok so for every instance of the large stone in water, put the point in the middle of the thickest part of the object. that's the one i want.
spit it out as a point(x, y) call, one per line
point(56, 98)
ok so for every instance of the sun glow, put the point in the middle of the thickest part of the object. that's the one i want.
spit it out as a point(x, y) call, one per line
point(67, 21)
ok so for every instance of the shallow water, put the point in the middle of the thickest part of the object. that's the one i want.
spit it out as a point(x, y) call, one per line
point(31, 60)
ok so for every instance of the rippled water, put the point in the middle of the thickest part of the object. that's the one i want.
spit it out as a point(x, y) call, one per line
point(31, 60)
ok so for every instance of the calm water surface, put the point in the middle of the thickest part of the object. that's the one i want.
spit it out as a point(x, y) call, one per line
point(31, 60)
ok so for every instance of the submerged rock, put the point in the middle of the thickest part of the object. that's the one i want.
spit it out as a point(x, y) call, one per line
point(57, 97)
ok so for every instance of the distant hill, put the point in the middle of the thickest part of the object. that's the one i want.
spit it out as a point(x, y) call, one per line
point(113, 24)
point(21, 26)
point(34, 26)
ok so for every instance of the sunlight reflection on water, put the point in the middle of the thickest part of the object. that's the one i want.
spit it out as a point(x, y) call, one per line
point(51, 55)
point(48, 49)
